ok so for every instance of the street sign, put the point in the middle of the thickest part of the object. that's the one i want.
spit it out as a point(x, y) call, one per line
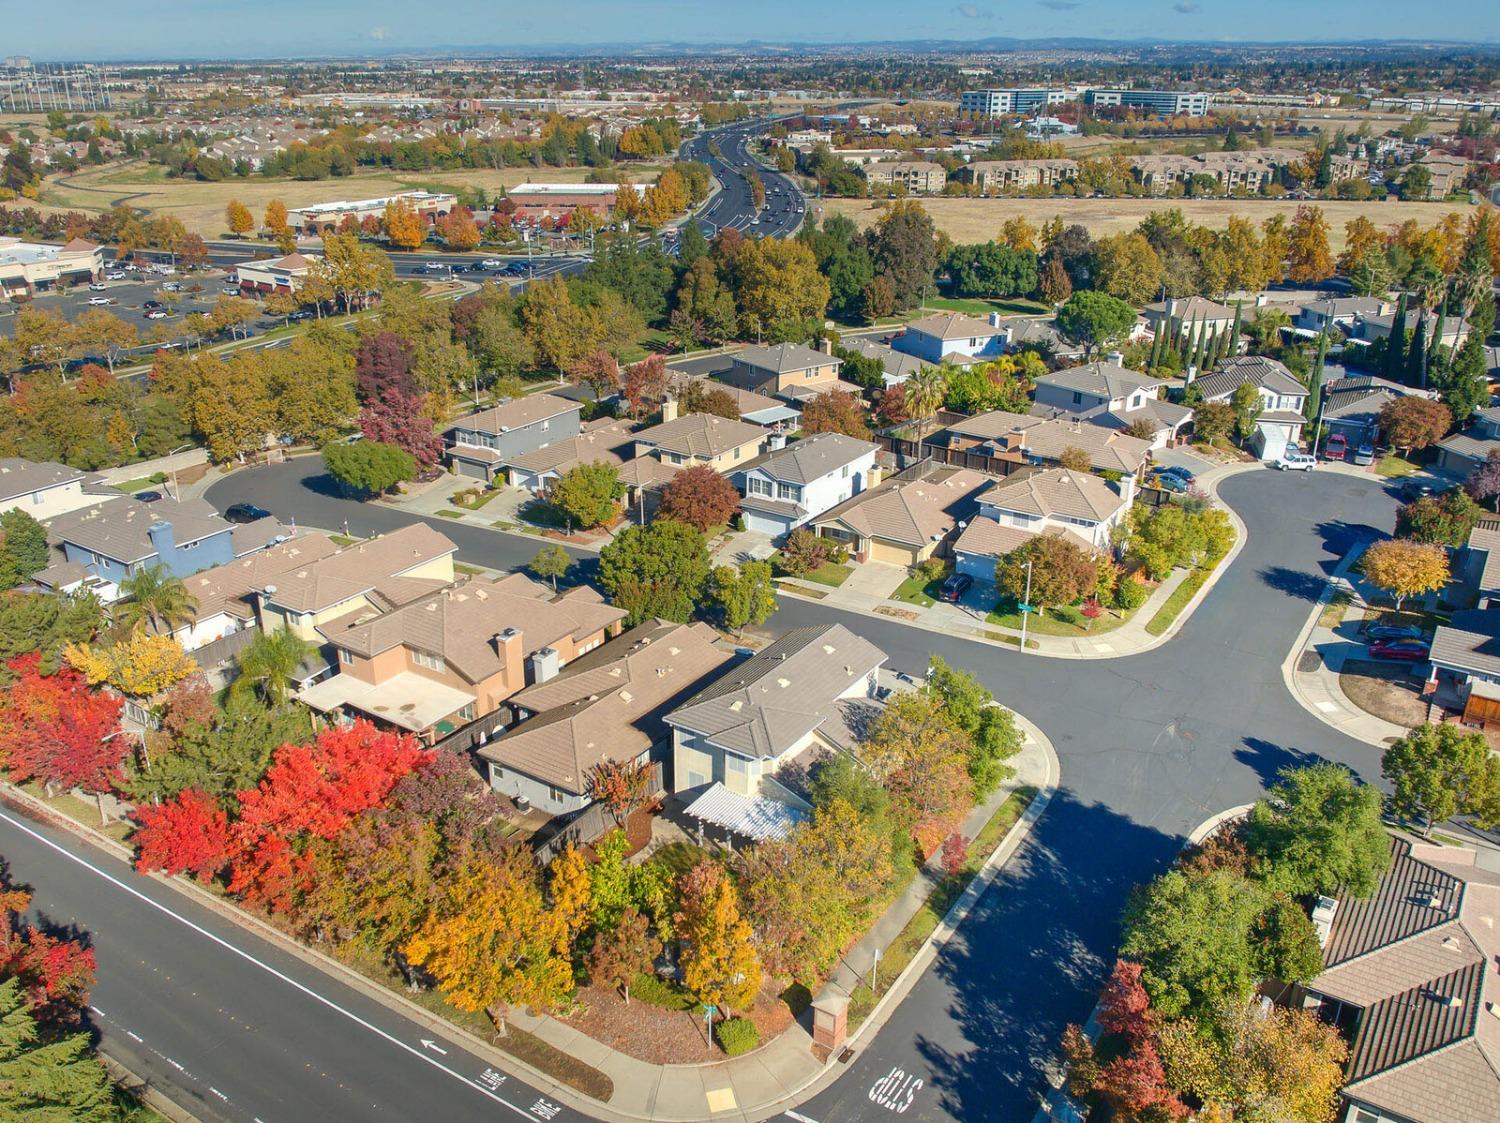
point(1024, 608)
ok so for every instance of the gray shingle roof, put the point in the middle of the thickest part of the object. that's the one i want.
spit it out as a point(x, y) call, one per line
point(700, 434)
point(1266, 373)
point(1470, 641)
point(1103, 380)
point(120, 530)
point(814, 457)
point(775, 698)
point(516, 413)
point(952, 325)
point(783, 357)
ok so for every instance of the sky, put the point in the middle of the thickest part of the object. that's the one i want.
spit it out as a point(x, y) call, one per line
point(168, 29)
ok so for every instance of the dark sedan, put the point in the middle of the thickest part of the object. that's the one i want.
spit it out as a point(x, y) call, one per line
point(246, 513)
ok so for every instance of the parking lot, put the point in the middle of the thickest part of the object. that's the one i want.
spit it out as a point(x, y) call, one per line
point(197, 292)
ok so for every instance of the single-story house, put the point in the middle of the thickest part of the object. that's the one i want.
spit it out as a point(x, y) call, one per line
point(1003, 439)
point(1351, 406)
point(904, 522)
point(1465, 660)
point(897, 366)
point(1109, 395)
point(1462, 452)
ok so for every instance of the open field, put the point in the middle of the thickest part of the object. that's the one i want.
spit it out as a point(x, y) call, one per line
point(978, 220)
point(200, 206)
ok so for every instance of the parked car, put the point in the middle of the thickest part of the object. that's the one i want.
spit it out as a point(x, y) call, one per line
point(172, 286)
point(155, 314)
point(1175, 470)
point(1404, 650)
point(115, 275)
point(230, 290)
point(1364, 454)
point(1290, 461)
point(955, 587)
point(148, 496)
point(1336, 447)
point(245, 513)
point(1412, 490)
point(152, 305)
point(1175, 484)
point(1393, 632)
point(96, 286)
point(99, 301)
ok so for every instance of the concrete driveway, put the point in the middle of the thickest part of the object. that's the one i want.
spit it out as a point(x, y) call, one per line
point(874, 579)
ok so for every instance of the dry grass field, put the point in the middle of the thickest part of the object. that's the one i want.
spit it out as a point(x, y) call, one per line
point(200, 206)
point(979, 220)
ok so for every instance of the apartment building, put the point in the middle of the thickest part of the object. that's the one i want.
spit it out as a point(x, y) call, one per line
point(990, 176)
point(915, 177)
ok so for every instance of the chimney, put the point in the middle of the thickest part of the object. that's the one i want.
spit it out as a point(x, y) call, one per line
point(826, 346)
point(1324, 910)
point(545, 663)
point(1189, 375)
point(160, 534)
point(507, 645)
point(776, 440)
point(1116, 357)
point(994, 319)
point(668, 409)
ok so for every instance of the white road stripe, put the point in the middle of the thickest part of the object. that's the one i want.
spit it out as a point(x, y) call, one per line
point(266, 967)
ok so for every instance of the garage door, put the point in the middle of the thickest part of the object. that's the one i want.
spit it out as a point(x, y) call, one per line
point(470, 470)
point(896, 555)
point(981, 567)
point(765, 524)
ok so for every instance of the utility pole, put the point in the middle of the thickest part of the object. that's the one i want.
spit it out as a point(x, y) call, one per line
point(1026, 608)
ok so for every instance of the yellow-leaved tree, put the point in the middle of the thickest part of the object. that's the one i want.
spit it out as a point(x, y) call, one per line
point(140, 665)
point(275, 220)
point(1308, 255)
point(720, 966)
point(405, 228)
point(239, 219)
point(1405, 568)
point(490, 940)
point(572, 892)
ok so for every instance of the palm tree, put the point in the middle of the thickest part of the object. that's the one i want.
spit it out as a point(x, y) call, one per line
point(157, 599)
point(270, 661)
point(923, 393)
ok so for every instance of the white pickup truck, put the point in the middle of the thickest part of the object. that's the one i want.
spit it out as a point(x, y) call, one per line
point(1291, 461)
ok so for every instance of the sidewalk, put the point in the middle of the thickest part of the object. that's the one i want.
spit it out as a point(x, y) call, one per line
point(1311, 669)
point(784, 1071)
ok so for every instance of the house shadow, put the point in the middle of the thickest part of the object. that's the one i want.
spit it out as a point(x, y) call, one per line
point(1029, 960)
point(1339, 537)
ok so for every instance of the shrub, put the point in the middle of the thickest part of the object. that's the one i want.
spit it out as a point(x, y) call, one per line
point(656, 991)
point(736, 1036)
point(931, 569)
point(1130, 594)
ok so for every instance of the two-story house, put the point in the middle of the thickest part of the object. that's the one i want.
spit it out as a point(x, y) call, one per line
point(381, 573)
point(702, 438)
point(1194, 313)
point(808, 695)
point(1460, 453)
point(225, 596)
point(1057, 501)
point(44, 489)
point(790, 371)
point(113, 540)
point(1007, 439)
point(1282, 399)
point(1337, 313)
point(608, 706)
point(790, 486)
point(604, 441)
point(480, 443)
point(1109, 395)
point(951, 337)
point(437, 663)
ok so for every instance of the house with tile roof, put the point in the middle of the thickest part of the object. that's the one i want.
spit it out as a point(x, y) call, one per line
point(1022, 333)
point(225, 595)
point(1004, 440)
point(1111, 396)
point(1197, 313)
point(1282, 399)
point(905, 522)
point(436, 663)
point(608, 705)
point(897, 366)
point(606, 441)
point(951, 336)
point(481, 444)
point(1460, 453)
point(702, 438)
point(44, 489)
point(755, 408)
point(1410, 980)
point(1351, 406)
point(791, 485)
point(809, 694)
point(779, 370)
point(1078, 506)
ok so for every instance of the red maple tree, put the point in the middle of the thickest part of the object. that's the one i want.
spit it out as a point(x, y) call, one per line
point(57, 973)
point(53, 728)
point(1124, 1006)
point(189, 834)
point(700, 497)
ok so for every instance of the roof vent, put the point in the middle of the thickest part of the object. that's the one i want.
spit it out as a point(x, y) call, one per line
point(828, 649)
point(1452, 1001)
point(783, 682)
point(625, 697)
point(1434, 901)
point(736, 706)
point(674, 651)
point(1450, 943)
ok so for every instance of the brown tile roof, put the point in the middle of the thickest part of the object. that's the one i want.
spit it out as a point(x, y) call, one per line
point(1047, 438)
point(227, 588)
point(607, 444)
point(1413, 897)
point(608, 705)
point(1057, 492)
point(516, 413)
point(952, 325)
point(911, 512)
point(360, 568)
point(988, 538)
point(459, 624)
point(1457, 1084)
point(701, 435)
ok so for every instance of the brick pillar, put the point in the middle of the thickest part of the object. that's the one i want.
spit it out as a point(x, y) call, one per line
point(830, 1020)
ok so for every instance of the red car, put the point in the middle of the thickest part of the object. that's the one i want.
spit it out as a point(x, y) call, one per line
point(1406, 650)
point(1336, 447)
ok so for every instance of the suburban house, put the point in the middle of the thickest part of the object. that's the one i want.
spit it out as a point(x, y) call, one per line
point(789, 486)
point(998, 440)
point(437, 663)
point(381, 573)
point(1465, 655)
point(1461, 452)
point(905, 522)
point(225, 594)
point(1370, 328)
point(1479, 566)
point(1352, 406)
point(785, 370)
point(1197, 313)
point(1027, 333)
point(897, 366)
point(480, 443)
point(605, 441)
point(113, 540)
point(702, 438)
point(1282, 399)
point(1337, 313)
point(1058, 501)
point(1111, 396)
point(754, 407)
point(44, 489)
point(951, 336)
point(1409, 979)
point(609, 705)
point(806, 696)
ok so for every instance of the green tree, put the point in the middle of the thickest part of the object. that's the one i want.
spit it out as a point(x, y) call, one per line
point(24, 551)
point(904, 247)
point(550, 563)
point(1212, 421)
point(371, 467)
point(1247, 405)
point(588, 494)
point(157, 599)
point(270, 662)
point(1439, 771)
point(1094, 318)
point(1445, 520)
point(48, 1080)
point(1317, 830)
point(656, 570)
point(746, 595)
point(993, 734)
point(1061, 572)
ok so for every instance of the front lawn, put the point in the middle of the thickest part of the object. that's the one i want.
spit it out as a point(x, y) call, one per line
point(1393, 467)
point(828, 574)
point(919, 591)
point(1066, 621)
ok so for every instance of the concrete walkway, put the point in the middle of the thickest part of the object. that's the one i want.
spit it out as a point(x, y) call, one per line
point(785, 1072)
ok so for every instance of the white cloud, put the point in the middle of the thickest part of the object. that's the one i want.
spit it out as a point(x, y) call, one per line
point(380, 34)
point(970, 11)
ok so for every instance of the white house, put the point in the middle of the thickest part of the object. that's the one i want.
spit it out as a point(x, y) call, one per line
point(1282, 399)
point(792, 485)
point(1112, 396)
point(949, 335)
point(44, 489)
point(1058, 501)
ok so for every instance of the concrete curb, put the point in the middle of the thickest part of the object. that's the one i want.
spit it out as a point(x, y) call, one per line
point(144, 1091)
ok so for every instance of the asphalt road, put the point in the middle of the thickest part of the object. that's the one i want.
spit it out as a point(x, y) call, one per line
point(1149, 746)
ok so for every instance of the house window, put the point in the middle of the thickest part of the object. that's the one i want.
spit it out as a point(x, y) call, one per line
point(431, 662)
point(554, 794)
point(345, 657)
point(787, 491)
point(466, 713)
point(737, 453)
point(757, 486)
point(844, 472)
point(1077, 398)
point(546, 425)
point(36, 498)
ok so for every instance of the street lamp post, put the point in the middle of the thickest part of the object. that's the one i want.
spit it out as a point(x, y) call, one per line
point(1026, 608)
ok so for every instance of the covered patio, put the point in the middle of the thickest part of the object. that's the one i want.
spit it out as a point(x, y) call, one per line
point(405, 700)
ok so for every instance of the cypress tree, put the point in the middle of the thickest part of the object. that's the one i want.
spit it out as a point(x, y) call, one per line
point(1156, 348)
point(1436, 357)
point(1315, 390)
point(1211, 349)
point(1395, 346)
point(1416, 358)
point(1234, 331)
point(1195, 346)
point(53, 1080)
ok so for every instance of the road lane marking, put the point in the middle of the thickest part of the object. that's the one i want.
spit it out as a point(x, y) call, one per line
point(266, 967)
point(896, 1090)
point(798, 1116)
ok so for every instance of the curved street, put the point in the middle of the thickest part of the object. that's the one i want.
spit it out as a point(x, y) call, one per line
point(1150, 745)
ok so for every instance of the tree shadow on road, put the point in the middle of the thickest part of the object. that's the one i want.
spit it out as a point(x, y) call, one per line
point(1340, 537)
point(1294, 582)
point(1266, 758)
point(1029, 960)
